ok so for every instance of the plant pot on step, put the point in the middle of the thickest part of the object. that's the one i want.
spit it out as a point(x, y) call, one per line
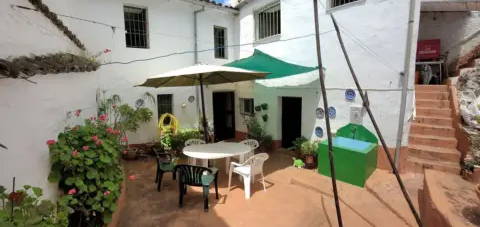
point(131, 154)
point(309, 160)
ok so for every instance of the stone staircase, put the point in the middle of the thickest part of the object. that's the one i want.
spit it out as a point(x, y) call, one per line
point(432, 142)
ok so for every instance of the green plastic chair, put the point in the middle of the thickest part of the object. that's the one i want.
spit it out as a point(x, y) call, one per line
point(165, 163)
point(357, 132)
point(197, 176)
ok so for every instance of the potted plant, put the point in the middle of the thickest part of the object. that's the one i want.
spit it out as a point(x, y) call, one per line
point(308, 149)
point(297, 146)
point(471, 170)
point(256, 131)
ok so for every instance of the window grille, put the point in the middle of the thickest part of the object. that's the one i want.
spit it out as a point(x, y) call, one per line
point(136, 27)
point(165, 104)
point(220, 41)
point(268, 21)
point(335, 3)
point(246, 106)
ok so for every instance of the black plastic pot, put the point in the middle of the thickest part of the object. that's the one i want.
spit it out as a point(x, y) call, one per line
point(79, 219)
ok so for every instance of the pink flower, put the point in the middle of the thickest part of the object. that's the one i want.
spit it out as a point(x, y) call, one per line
point(106, 193)
point(116, 132)
point(85, 148)
point(74, 153)
point(94, 138)
point(110, 130)
point(125, 152)
point(124, 139)
point(51, 142)
point(99, 142)
point(114, 106)
point(77, 112)
point(72, 191)
point(102, 117)
point(107, 51)
point(132, 177)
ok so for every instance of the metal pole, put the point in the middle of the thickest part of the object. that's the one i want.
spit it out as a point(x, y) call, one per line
point(327, 118)
point(406, 74)
point(204, 118)
point(372, 118)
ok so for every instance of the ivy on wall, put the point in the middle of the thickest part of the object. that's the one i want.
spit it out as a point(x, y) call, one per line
point(21, 67)
point(40, 6)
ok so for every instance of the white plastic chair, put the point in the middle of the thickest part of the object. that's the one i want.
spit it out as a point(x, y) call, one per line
point(253, 144)
point(248, 170)
point(190, 142)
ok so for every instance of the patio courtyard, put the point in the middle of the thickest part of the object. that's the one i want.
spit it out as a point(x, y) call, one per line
point(294, 197)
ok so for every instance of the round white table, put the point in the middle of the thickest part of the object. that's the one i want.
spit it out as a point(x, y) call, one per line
point(216, 151)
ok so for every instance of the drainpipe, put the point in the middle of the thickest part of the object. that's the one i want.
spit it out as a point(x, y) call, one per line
point(406, 72)
point(195, 53)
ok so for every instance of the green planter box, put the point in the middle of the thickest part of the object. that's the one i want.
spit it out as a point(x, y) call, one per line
point(354, 160)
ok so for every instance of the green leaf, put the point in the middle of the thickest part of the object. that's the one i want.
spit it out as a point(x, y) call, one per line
point(92, 188)
point(70, 180)
point(79, 182)
point(54, 176)
point(107, 217)
point(88, 161)
point(92, 173)
point(105, 159)
point(37, 191)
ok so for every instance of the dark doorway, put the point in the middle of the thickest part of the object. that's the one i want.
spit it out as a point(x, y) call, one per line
point(291, 120)
point(224, 115)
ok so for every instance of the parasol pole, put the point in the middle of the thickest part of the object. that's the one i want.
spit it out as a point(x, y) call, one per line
point(204, 118)
point(327, 118)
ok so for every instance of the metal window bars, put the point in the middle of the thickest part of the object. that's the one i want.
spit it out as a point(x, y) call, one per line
point(136, 27)
point(220, 41)
point(268, 21)
point(335, 3)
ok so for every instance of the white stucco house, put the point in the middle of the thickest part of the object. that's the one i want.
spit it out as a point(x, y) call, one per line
point(170, 34)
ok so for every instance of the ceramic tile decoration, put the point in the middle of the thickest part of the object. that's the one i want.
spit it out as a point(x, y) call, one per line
point(350, 94)
point(332, 112)
point(320, 113)
point(319, 132)
point(191, 98)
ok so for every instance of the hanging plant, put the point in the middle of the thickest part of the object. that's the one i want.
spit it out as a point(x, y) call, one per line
point(264, 106)
point(258, 108)
point(265, 117)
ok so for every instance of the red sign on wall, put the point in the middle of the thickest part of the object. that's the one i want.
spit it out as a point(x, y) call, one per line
point(428, 49)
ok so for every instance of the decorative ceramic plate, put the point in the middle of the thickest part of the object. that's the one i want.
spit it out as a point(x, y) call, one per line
point(191, 98)
point(350, 94)
point(320, 113)
point(332, 112)
point(319, 132)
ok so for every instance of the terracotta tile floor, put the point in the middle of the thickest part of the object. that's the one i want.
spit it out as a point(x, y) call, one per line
point(294, 197)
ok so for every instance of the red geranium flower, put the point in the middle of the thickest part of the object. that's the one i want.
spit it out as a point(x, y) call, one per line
point(51, 142)
point(125, 152)
point(106, 51)
point(132, 177)
point(116, 132)
point(77, 112)
point(99, 142)
point(124, 139)
point(16, 197)
point(72, 191)
point(94, 138)
point(102, 117)
point(109, 130)
point(106, 193)
point(85, 148)
point(74, 153)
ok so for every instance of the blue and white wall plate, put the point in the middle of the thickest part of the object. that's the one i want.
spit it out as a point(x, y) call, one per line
point(350, 94)
point(320, 113)
point(319, 131)
point(332, 112)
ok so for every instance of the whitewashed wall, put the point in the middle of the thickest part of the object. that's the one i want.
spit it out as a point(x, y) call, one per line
point(375, 34)
point(452, 28)
point(32, 113)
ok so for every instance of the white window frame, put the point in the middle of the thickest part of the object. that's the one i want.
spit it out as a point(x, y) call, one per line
point(242, 106)
point(256, 19)
point(225, 41)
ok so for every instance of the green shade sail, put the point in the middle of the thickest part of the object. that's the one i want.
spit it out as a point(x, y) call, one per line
point(263, 62)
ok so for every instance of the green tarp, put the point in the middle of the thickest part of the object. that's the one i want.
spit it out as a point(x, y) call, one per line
point(263, 62)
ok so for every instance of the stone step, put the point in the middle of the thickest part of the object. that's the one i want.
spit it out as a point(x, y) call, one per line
point(434, 130)
point(427, 88)
point(418, 164)
point(434, 153)
point(434, 112)
point(440, 121)
point(432, 103)
point(435, 95)
point(434, 141)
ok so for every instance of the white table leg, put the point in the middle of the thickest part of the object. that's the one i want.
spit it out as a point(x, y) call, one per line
point(227, 165)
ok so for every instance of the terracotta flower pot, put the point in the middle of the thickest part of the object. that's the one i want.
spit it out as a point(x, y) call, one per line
point(476, 174)
point(309, 161)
